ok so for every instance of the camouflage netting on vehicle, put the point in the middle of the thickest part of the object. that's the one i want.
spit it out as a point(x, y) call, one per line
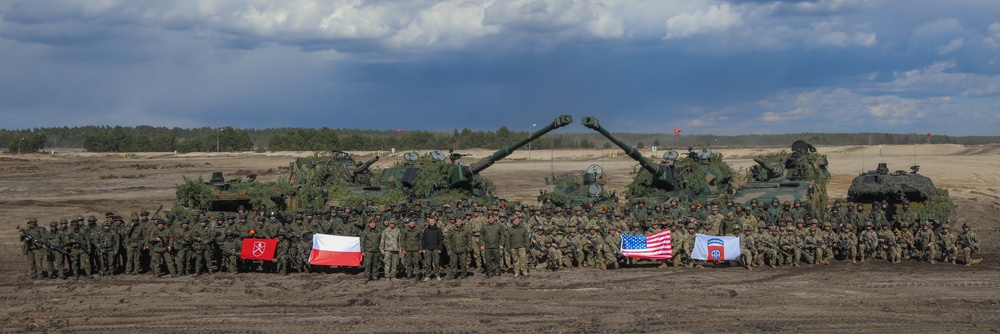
point(432, 182)
point(783, 166)
point(199, 195)
point(938, 206)
point(870, 186)
point(698, 180)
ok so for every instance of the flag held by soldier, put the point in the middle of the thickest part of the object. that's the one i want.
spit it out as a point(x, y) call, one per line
point(258, 249)
point(335, 250)
point(715, 248)
point(654, 247)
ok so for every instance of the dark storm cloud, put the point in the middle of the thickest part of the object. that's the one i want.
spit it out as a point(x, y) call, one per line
point(704, 66)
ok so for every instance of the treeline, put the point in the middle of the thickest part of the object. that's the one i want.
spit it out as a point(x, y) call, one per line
point(229, 139)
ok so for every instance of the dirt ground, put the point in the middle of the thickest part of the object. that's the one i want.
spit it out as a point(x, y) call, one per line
point(878, 297)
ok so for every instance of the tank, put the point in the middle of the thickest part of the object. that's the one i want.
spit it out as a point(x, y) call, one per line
point(222, 195)
point(333, 175)
point(699, 175)
point(800, 175)
point(436, 177)
point(901, 186)
point(576, 188)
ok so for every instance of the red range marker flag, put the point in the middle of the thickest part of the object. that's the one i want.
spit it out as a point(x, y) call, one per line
point(928, 134)
point(400, 131)
point(676, 131)
point(335, 250)
point(258, 249)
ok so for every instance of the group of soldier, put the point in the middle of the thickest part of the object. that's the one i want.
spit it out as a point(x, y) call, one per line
point(415, 241)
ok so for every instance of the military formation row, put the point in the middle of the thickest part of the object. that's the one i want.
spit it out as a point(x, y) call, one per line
point(774, 234)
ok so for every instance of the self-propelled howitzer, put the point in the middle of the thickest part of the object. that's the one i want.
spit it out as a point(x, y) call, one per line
point(462, 174)
point(700, 176)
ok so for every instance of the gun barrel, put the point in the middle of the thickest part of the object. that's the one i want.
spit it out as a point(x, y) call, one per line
point(763, 165)
point(364, 167)
point(478, 166)
point(661, 175)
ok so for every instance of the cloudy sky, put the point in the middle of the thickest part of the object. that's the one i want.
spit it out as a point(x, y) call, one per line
point(723, 67)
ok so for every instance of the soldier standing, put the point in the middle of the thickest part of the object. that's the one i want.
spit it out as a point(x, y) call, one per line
point(182, 247)
point(459, 243)
point(107, 242)
point(389, 248)
point(160, 247)
point(202, 239)
point(32, 237)
point(431, 243)
point(518, 238)
point(371, 241)
point(409, 240)
point(492, 240)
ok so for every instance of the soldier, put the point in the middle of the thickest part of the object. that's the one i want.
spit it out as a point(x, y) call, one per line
point(371, 241)
point(518, 240)
point(848, 243)
point(771, 248)
point(728, 222)
point(182, 247)
point(76, 244)
point(390, 250)
point(905, 242)
point(714, 221)
point(492, 240)
point(906, 217)
point(431, 243)
point(55, 258)
point(948, 243)
point(926, 243)
point(202, 239)
point(747, 249)
point(867, 243)
point(791, 245)
point(553, 250)
point(409, 242)
point(888, 247)
point(814, 245)
point(135, 240)
point(33, 238)
point(477, 223)
point(969, 243)
point(459, 244)
point(594, 249)
point(613, 243)
point(159, 243)
point(107, 242)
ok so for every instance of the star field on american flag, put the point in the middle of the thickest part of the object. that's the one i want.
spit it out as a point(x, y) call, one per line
point(655, 246)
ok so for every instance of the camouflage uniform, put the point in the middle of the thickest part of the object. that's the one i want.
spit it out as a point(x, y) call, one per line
point(459, 244)
point(848, 244)
point(390, 250)
point(926, 244)
point(867, 243)
point(107, 242)
point(492, 238)
point(409, 242)
point(969, 243)
point(518, 240)
point(160, 247)
point(34, 251)
point(791, 244)
point(202, 239)
point(371, 244)
point(182, 247)
point(949, 245)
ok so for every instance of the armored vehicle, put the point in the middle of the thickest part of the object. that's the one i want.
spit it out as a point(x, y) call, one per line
point(699, 176)
point(333, 175)
point(800, 175)
point(219, 194)
point(431, 178)
point(572, 189)
point(881, 185)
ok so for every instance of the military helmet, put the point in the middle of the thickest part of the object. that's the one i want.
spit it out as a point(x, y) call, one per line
point(737, 228)
point(946, 227)
point(106, 223)
point(54, 223)
point(144, 213)
point(966, 225)
point(94, 219)
point(32, 221)
point(63, 221)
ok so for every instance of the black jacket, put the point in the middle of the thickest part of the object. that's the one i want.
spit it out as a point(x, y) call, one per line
point(432, 239)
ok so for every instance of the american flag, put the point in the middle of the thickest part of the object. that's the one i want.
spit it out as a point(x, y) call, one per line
point(653, 247)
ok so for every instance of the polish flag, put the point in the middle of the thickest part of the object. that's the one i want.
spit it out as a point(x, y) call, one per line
point(335, 250)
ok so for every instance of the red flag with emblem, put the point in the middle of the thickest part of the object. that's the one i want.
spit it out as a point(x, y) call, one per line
point(258, 249)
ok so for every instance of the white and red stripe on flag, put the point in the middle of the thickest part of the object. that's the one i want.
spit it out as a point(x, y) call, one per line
point(656, 246)
point(335, 250)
